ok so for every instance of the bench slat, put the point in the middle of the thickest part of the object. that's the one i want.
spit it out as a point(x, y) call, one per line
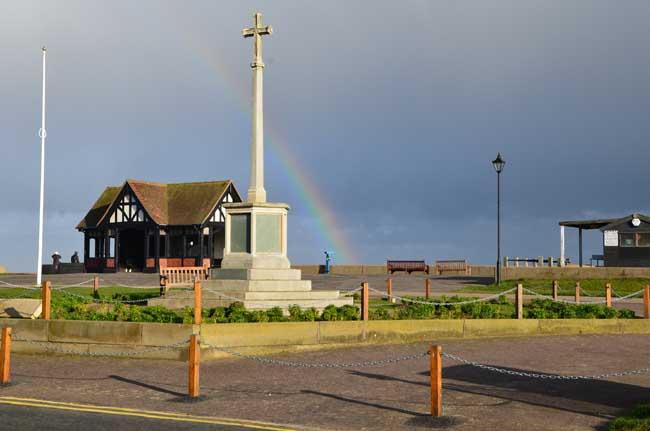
point(406, 265)
point(452, 265)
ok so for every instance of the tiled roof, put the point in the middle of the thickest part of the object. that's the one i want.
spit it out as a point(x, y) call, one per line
point(99, 208)
point(166, 204)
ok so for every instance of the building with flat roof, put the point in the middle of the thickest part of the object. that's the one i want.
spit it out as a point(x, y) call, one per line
point(626, 240)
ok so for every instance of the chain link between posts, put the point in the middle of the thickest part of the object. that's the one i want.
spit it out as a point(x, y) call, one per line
point(601, 301)
point(50, 348)
point(298, 364)
point(20, 286)
point(543, 376)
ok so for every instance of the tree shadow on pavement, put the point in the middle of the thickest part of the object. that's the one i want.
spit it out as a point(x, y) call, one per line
point(467, 280)
point(586, 396)
point(363, 403)
point(416, 418)
point(600, 398)
point(148, 386)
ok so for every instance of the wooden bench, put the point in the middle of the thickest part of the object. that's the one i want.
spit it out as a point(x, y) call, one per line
point(181, 276)
point(406, 265)
point(458, 265)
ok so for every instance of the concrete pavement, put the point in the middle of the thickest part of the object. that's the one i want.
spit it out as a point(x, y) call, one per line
point(392, 397)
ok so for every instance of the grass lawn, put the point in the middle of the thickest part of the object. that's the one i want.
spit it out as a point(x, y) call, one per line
point(595, 287)
point(129, 305)
point(105, 292)
point(636, 420)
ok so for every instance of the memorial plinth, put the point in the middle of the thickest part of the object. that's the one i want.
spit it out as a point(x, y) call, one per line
point(255, 269)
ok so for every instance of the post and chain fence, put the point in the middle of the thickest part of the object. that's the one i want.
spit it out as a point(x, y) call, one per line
point(50, 347)
point(298, 364)
point(444, 303)
point(599, 301)
point(544, 376)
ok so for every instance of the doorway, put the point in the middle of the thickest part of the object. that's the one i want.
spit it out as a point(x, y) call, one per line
point(131, 255)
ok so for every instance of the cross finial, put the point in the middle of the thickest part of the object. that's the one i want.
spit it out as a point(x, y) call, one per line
point(257, 31)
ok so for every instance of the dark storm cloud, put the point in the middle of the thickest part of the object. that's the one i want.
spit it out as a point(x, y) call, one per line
point(394, 109)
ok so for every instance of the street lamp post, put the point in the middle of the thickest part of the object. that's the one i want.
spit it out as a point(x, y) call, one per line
point(498, 164)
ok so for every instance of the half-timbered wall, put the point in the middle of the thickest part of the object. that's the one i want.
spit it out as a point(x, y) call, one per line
point(128, 210)
point(219, 216)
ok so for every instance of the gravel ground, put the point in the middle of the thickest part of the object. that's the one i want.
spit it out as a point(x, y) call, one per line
point(385, 398)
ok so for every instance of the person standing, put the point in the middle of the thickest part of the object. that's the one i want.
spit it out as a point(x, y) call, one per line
point(56, 262)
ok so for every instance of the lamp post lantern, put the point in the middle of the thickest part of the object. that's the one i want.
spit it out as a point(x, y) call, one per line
point(498, 165)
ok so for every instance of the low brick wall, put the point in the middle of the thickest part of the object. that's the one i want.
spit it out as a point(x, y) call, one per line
point(123, 337)
point(487, 271)
point(64, 268)
point(482, 271)
point(573, 273)
point(343, 269)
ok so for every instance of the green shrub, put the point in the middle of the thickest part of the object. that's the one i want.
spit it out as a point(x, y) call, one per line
point(296, 314)
point(275, 315)
point(548, 309)
point(75, 308)
point(636, 420)
point(329, 313)
point(380, 313)
point(348, 312)
point(236, 313)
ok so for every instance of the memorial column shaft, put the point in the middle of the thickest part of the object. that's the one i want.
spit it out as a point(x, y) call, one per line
point(256, 191)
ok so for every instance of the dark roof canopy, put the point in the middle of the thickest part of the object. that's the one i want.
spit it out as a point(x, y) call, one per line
point(601, 223)
point(166, 204)
point(588, 224)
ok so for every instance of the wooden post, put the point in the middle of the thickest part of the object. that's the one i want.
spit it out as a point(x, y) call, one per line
point(46, 296)
point(608, 295)
point(577, 292)
point(519, 301)
point(5, 356)
point(389, 289)
point(364, 301)
point(427, 288)
point(197, 301)
point(646, 301)
point(556, 288)
point(435, 357)
point(194, 361)
point(95, 285)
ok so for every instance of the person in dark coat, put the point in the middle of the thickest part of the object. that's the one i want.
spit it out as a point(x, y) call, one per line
point(75, 257)
point(56, 262)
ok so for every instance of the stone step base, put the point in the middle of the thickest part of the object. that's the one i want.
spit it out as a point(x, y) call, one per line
point(255, 274)
point(312, 294)
point(258, 285)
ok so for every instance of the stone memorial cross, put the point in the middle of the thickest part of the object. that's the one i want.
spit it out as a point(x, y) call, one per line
point(256, 191)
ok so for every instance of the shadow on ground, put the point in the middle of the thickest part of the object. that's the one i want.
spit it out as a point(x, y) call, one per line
point(599, 398)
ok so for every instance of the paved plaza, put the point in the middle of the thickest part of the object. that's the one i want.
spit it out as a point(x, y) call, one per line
point(392, 397)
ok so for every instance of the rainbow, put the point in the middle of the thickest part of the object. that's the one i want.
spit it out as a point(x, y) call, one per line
point(329, 230)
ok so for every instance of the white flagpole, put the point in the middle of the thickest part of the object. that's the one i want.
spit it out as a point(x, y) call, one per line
point(42, 134)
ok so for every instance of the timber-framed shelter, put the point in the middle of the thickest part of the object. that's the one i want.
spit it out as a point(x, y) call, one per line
point(145, 226)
